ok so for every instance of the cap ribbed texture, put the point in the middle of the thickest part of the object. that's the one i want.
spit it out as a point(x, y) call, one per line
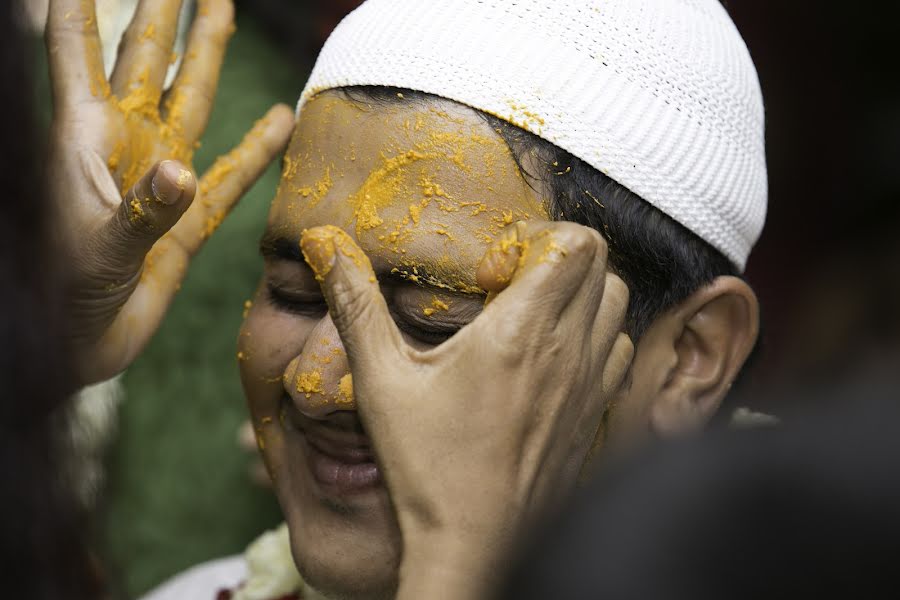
point(660, 95)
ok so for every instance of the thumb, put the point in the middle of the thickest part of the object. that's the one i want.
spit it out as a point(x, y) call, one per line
point(147, 212)
point(355, 303)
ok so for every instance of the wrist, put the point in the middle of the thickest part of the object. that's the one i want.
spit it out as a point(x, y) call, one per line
point(449, 567)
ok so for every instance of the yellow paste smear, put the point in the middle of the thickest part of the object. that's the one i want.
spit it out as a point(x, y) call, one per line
point(320, 244)
point(436, 305)
point(309, 383)
point(184, 177)
point(137, 211)
point(345, 390)
point(149, 33)
point(402, 176)
point(145, 135)
point(381, 189)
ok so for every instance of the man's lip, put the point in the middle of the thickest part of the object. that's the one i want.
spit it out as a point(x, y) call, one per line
point(346, 447)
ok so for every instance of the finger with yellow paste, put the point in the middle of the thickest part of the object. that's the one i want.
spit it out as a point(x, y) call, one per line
point(74, 53)
point(232, 175)
point(188, 104)
point(147, 212)
point(146, 50)
point(355, 303)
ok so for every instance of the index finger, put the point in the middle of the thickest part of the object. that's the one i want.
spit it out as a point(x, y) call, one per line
point(355, 303)
point(74, 52)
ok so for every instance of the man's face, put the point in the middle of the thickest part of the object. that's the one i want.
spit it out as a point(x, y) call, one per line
point(424, 189)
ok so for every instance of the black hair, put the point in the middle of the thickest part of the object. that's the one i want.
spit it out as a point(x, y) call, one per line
point(660, 260)
point(43, 547)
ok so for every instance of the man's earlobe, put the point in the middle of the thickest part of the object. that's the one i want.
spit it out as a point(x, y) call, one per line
point(713, 333)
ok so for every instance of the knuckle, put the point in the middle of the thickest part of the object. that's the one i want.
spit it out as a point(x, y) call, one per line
point(581, 240)
point(349, 305)
point(220, 13)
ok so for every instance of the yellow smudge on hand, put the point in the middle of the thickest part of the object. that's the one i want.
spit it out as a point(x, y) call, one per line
point(137, 211)
point(212, 223)
point(141, 99)
point(309, 383)
point(184, 177)
point(553, 252)
point(223, 166)
point(149, 33)
point(115, 156)
point(345, 390)
point(242, 355)
point(248, 304)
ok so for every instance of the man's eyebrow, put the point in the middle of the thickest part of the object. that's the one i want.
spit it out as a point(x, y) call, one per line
point(275, 246)
point(278, 247)
point(424, 278)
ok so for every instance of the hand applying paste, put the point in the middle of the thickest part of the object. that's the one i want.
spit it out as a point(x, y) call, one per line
point(437, 434)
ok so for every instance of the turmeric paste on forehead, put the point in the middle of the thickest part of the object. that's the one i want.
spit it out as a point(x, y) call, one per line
point(434, 161)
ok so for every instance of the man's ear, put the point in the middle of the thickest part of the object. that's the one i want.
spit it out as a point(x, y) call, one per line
point(711, 334)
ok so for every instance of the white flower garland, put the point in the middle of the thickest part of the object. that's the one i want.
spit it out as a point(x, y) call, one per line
point(271, 572)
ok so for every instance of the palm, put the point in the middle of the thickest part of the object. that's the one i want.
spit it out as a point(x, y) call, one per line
point(107, 136)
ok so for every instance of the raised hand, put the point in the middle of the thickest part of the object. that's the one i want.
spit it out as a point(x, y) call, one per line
point(508, 408)
point(130, 210)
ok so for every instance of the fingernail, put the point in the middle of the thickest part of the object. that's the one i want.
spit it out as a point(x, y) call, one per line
point(184, 178)
point(169, 182)
point(317, 245)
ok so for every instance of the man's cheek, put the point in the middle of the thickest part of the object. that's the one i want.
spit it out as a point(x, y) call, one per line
point(268, 341)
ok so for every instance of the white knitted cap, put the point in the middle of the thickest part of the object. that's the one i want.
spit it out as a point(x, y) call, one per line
point(660, 95)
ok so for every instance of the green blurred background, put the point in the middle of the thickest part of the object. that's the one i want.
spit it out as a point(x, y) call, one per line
point(177, 490)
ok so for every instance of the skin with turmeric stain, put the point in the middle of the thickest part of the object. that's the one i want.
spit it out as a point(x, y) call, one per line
point(345, 390)
point(407, 185)
point(424, 190)
point(309, 383)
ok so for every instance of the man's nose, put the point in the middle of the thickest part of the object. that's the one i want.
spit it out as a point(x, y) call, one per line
point(318, 379)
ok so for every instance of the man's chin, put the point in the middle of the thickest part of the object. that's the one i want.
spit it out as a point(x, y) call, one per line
point(334, 575)
point(348, 547)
